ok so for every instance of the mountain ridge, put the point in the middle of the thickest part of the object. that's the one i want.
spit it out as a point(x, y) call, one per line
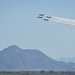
point(67, 59)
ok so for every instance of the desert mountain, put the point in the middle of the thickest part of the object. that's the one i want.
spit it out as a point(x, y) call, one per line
point(14, 58)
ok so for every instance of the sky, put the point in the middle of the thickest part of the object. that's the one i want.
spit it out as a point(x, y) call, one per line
point(20, 26)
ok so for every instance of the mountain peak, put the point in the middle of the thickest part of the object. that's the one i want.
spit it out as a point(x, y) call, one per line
point(13, 46)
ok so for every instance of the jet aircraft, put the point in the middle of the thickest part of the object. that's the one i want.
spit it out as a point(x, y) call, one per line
point(46, 19)
point(41, 14)
point(48, 16)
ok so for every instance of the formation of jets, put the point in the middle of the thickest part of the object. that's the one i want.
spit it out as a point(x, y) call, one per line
point(46, 18)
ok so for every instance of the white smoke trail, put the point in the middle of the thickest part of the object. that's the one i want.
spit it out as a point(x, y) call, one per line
point(63, 20)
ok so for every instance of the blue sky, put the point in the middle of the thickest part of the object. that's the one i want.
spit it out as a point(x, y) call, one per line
point(19, 25)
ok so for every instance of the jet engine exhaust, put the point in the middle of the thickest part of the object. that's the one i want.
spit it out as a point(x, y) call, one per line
point(63, 20)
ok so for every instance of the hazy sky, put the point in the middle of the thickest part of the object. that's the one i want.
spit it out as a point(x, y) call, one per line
point(19, 25)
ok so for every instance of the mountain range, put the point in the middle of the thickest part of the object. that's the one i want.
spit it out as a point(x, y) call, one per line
point(67, 59)
point(14, 58)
